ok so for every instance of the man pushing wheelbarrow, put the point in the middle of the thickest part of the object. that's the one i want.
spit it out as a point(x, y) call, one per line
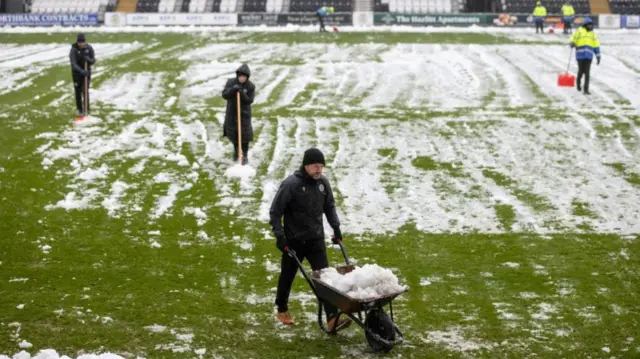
point(303, 199)
point(360, 294)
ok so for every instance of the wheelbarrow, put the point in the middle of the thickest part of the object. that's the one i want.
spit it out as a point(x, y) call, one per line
point(381, 333)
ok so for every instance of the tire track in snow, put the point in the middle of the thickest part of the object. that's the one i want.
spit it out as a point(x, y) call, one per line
point(514, 93)
point(133, 91)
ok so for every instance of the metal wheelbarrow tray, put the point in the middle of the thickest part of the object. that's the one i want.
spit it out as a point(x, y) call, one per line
point(381, 332)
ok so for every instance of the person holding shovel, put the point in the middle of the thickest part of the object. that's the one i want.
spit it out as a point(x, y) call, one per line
point(586, 43)
point(82, 58)
point(240, 88)
point(302, 199)
point(322, 13)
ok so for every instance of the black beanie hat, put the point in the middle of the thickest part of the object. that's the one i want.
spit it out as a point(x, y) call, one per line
point(81, 38)
point(311, 156)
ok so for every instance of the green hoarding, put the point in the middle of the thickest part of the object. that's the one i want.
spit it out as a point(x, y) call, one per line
point(385, 18)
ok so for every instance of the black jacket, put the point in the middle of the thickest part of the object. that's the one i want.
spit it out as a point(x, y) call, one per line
point(302, 201)
point(77, 57)
point(246, 99)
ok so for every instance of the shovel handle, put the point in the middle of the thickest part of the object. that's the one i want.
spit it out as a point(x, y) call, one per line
point(569, 62)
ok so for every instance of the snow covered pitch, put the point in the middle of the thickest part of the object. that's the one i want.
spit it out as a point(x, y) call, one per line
point(509, 206)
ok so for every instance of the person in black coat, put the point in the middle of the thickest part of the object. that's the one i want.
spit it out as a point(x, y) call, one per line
point(302, 199)
point(239, 84)
point(81, 53)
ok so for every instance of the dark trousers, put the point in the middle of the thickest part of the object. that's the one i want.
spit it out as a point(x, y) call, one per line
point(78, 87)
point(245, 150)
point(567, 27)
point(584, 68)
point(539, 26)
point(321, 19)
point(316, 253)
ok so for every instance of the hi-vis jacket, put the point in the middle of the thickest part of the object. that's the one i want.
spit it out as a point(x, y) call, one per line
point(587, 44)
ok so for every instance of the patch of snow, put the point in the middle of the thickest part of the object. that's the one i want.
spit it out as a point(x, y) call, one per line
point(624, 254)
point(23, 280)
point(201, 217)
point(454, 340)
point(170, 102)
point(46, 163)
point(90, 174)
point(187, 338)
point(132, 91)
point(70, 202)
point(366, 282)
point(20, 306)
point(424, 282)
point(272, 267)
point(240, 171)
point(511, 264)
point(606, 349)
point(247, 246)
point(25, 344)
point(528, 295)
point(156, 328)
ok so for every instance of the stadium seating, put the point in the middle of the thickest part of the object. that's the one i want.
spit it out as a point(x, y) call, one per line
point(625, 7)
point(553, 6)
point(274, 6)
point(381, 5)
point(167, 5)
point(308, 6)
point(415, 6)
point(255, 5)
point(147, 5)
point(228, 5)
point(67, 6)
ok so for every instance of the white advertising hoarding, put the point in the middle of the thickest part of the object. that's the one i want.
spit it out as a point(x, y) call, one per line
point(181, 19)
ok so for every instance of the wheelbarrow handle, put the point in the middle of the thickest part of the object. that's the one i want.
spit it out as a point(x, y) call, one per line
point(338, 241)
point(293, 255)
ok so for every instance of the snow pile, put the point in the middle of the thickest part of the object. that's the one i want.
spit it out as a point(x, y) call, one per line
point(366, 282)
point(52, 354)
point(240, 171)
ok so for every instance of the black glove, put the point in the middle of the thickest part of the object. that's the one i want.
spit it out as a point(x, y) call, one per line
point(598, 60)
point(337, 236)
point(84, 73)
point(281, 243)
point(237, 87)
point(88, 58)
point(572, 45)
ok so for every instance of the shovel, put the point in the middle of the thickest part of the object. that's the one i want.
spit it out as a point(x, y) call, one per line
point(566, 79)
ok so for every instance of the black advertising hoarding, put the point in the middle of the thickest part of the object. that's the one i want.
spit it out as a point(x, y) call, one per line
point(312, 19)
point(255, 19)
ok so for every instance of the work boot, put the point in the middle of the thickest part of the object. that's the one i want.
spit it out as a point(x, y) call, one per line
point(245, 160)
point(342, 324)
point(586, 92)
point(285, 318)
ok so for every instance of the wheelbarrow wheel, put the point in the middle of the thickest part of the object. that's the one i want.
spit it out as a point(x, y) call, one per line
point(379, 323)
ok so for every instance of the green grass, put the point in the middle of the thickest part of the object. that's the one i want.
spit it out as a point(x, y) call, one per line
point(535, 201)
point(100, 266)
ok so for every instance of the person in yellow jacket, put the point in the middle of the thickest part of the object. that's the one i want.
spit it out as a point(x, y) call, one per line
point(586, 43)
point(567, 17)
point(323, 12)
point(539, 14)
